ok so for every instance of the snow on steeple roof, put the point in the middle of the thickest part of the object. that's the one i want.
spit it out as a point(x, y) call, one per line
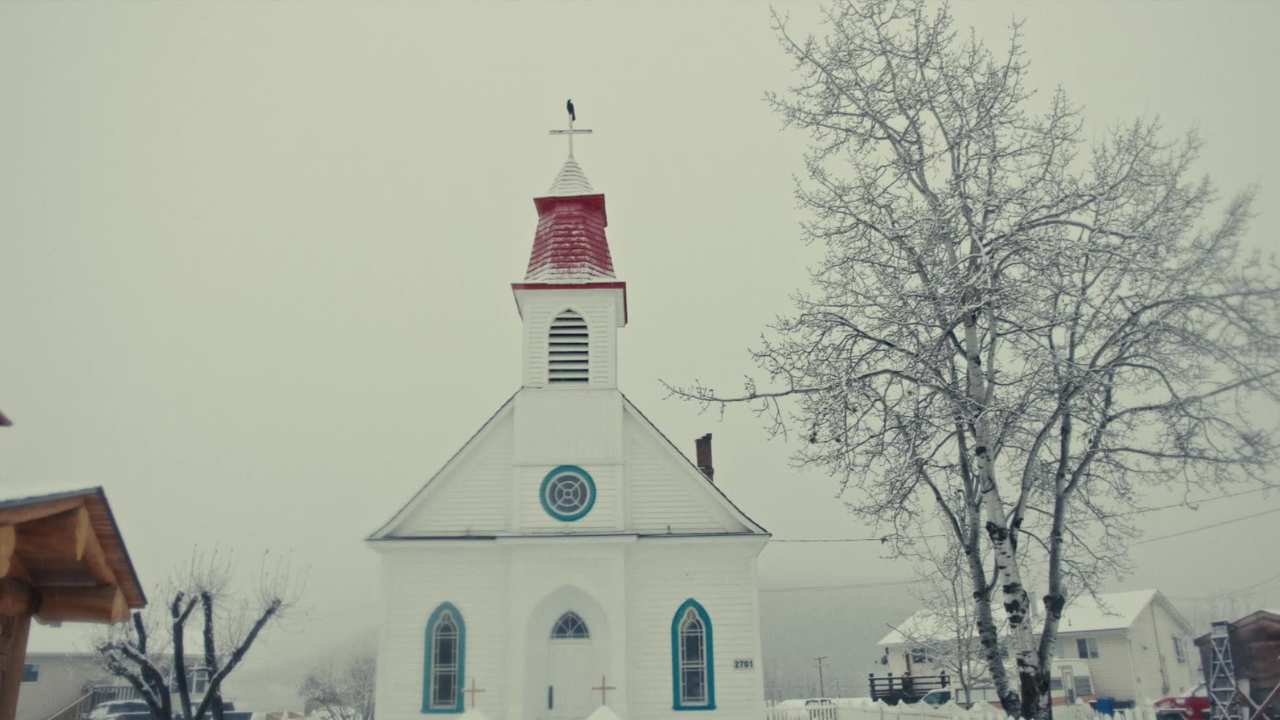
point(570, 180)
point(570, 245)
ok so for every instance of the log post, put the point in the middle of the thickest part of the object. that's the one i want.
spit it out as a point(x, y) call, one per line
point(8, 542)
point(17, 598)
point(13, 657)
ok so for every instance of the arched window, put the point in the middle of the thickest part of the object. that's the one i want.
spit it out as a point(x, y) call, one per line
point(446, 651)
point(570, 626)
point(693, 677)
point(567, 349)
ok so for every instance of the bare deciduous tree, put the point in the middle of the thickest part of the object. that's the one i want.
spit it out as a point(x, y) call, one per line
point(203, 626)
point(1014, 324)
point(946, 627)
point(343, 687)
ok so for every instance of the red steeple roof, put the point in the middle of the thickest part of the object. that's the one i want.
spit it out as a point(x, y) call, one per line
point(569, 245)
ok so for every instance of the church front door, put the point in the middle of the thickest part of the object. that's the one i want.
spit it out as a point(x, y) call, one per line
point(571, 666)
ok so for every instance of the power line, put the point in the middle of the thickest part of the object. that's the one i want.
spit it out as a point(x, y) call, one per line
point(1202, 528)
point(1233, 591)
point(849, 586)
point(1188, 505)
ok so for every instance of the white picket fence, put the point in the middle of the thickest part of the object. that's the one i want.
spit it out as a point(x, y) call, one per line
point(864, 709)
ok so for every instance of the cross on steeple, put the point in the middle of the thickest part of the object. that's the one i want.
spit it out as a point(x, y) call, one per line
point(570, 131)
point(473, 691)
point(604, 689)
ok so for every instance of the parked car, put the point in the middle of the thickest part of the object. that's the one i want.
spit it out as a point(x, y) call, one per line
point(976, 694)
point(938, 697)
point(113, 709)
point(1192, 706)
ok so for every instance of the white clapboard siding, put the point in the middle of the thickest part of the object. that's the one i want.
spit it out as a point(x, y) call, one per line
point(472, 494)
point(664, 574)
point(599, 311)
point(604, 515)
point(664, 491)
point(415, 583)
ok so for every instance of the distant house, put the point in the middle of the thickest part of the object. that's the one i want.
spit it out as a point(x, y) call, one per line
point(1255, 655)
point(1137, 645)
point(62, 670)
point(51, 681)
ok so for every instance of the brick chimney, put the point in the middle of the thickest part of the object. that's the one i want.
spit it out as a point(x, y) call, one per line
point(703, 447)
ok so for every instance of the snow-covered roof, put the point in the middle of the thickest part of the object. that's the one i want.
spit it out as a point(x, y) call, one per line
point(1109, 611)
point(571, 180)
point(921, 626)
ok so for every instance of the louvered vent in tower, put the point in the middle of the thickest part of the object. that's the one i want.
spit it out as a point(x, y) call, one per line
point(567, 348)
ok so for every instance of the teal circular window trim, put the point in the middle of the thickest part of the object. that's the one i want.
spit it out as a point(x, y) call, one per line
point(567, 493)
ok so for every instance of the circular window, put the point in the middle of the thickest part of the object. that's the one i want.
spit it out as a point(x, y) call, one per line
point(567, 493)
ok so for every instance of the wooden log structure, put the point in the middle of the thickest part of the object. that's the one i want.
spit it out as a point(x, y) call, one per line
point(62, 559)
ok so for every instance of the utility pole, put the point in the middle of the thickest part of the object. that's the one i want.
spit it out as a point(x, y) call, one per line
point(822, 687)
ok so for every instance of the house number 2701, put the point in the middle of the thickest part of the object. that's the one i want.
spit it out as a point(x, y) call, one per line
point(744, 664)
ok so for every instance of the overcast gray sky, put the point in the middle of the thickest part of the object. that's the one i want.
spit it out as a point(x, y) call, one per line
point(254, 256)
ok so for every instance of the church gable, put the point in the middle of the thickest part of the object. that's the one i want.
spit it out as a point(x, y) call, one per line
point(470, 494)
point(666, 492)
point(655, 490)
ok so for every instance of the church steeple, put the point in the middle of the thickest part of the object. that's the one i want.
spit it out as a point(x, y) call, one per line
point(570, 301)
point(570, 245)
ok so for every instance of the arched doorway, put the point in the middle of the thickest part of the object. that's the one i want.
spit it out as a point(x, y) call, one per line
point(571, 663)
point(568, 638)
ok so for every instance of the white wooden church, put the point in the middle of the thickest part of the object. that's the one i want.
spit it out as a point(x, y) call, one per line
point(569, 557)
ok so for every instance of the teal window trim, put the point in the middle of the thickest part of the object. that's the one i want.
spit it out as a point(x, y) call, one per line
point(567, 470)
point(677, 701)
point(429, 651)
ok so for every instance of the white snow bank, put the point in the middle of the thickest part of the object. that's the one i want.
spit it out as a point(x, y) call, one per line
point(603, 713)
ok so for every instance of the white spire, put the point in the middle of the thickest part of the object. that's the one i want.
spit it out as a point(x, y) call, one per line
point(570, 180)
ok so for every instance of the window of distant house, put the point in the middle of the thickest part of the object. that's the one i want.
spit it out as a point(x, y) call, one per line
point(693, 681)
point(30, 673)
point(199, 681)
point(1087, 648)
point(921, 655)
point(1084, 685)
point(445, 654)
point(1179, 649)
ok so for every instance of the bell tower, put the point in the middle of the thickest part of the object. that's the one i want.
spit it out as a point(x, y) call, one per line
point(570, 301)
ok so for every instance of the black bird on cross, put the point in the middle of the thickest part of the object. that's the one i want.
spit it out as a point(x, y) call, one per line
point(569, 106)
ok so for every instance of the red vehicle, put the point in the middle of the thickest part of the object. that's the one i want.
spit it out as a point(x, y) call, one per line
point(1192, 706)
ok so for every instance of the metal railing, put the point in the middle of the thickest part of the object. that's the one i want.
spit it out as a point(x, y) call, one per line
point(893, 689)
point(75, 710)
